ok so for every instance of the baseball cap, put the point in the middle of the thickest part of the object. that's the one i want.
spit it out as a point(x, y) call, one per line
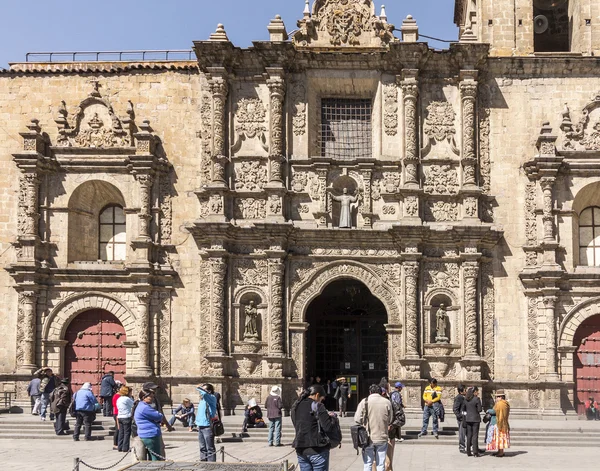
point(399, 385)
point(149, 385)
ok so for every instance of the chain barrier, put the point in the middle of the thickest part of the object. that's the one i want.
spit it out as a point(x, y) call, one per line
point(79, 462)
point(260, 462)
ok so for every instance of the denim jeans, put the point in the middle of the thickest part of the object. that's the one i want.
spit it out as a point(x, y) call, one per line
point(275, 430)
point(430, 412)
point(375, 452)
point(207, 444)
point(45, 402)
point(318, 462)
point(462, 435)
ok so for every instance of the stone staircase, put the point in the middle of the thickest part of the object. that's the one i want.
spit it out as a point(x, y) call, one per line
point(524, 434)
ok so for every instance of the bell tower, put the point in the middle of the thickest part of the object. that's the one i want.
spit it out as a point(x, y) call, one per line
point(527, 27)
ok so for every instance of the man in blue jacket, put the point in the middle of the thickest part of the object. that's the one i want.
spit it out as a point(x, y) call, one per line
point(85, 408)
point(107, 391)
point(207, 410)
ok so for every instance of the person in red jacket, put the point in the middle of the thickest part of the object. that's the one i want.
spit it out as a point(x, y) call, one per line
point(115, 412)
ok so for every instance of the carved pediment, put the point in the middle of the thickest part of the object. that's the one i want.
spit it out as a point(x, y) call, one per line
point(585, 134)
point(343, 23)
point(94, 124)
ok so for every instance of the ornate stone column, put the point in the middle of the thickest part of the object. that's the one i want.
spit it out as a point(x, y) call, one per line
point(276, 86)
point(276, 272)
point(411, 282)
point(29, 185)
point(26, 332)
point(470, 274)
point(218, 274)
point(468, 92)
point(548, 306)
point(219, 89)
point(367, 207)
point(322, 214)
point(143, 327)
point(410, 92)
point(145, 215)
point(547, 184)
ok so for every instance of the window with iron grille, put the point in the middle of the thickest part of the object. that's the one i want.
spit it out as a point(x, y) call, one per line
point(346, 128)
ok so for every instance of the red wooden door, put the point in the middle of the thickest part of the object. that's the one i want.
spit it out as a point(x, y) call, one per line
point(95, 346)
point(587, 362)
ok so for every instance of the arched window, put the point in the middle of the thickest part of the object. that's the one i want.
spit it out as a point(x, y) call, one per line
point(589, 237)
point(112, 241)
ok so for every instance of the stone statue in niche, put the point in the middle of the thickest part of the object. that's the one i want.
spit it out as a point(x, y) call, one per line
point(251, 324)
point(346, 210)
point(441, 325)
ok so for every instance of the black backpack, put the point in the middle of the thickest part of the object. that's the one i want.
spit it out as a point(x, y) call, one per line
point(359, 434)
point(333, 438)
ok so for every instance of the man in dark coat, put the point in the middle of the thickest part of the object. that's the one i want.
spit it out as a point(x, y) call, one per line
point(460, 419)
point(60, 399)
point(107, 391)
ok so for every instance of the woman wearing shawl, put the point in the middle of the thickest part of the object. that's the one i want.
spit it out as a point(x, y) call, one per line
point(498, 434)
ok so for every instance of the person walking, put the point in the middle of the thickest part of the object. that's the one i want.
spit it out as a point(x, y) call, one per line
point(48, 383)
point(498, 436)
point(148, 422)
point(375, 414)
point(124, 418)
point(398, 410)
point(60, 399)
point(457, 409)
point(186, 414)
point(432, 397)
point(85, 411)
point(207, 410)
point(33, 390)
point(342, 394)
point(311, 419)
point(471, 409)
point(107, 391)
point(273, 405)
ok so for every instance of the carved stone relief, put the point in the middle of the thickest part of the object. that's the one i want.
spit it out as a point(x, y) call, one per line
point(441, 180)
point(250, 176)
point(390, 108)
point(299, 108)
point(533, 343)
point(250, 272)
point(441, 211)
point(442, 275)
point(206, 136)
point(439, 127)
point(584, 135)
point(411, 206)
point(250, 208)
point(250, 117)
point(489, 314)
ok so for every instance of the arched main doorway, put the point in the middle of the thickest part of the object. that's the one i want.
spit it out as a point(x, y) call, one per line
point(347, 336)
point(587, 362)
point(95, 346)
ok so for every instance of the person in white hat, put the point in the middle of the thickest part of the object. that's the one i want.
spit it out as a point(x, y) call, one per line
point(273, 404)
point(253, 417)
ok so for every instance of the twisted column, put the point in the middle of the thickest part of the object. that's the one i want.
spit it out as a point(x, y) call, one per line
point(410, 92)
point(471, 273)
point(218, 273)
point(411, 280)
point(143, 326)
point(468, 92)
point(276, 272)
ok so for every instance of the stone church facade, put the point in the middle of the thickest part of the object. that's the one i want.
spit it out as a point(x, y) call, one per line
point(196, 205)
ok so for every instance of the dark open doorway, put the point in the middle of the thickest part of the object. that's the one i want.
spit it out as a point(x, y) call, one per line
point(347, 336)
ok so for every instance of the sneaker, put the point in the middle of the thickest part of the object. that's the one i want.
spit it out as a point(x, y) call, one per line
point(422, 434)
point(43, 419)
point(399, 440)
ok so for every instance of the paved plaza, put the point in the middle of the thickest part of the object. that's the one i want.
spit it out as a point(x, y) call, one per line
point(58, 455)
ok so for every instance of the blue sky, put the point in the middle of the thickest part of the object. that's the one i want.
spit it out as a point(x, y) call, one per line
point(107, 25)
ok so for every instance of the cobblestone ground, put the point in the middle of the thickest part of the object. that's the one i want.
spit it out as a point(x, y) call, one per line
point(55, 455)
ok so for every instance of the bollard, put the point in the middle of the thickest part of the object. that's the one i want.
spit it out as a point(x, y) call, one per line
point(75, 464)
point(286, 465)
point(222, 450)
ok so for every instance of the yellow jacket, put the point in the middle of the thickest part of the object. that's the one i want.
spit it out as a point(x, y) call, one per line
point(429, 392)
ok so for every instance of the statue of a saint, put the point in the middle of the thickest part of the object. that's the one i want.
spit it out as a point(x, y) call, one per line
point(251, 325)
point(345, 211)
point(441, 323)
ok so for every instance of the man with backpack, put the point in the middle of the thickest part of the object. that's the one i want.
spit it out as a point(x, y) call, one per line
point(317, 430)
point(376, 415)
point(398, 410)
point(60, 399)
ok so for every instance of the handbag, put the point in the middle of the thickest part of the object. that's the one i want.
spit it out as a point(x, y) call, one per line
point(360, 434)
point(216, 426)
point(487, 417)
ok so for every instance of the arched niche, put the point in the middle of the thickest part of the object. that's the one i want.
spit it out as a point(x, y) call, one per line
point(433, 301)
point(586, 197)
point(338, 185)
point(243, 299)
point(85, 205)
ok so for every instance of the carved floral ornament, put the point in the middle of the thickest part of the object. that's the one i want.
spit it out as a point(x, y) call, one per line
point(343, 23)
point(439, 126)
point(250, 117)
point(585, 134)
point(94, 124)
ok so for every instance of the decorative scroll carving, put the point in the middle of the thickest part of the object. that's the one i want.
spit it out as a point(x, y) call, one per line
point(533, 343)
point(206, 136)
point(410, 90)
point(441, 180)
point(582, 136)
point(531, 222)
point(250, 208)
point(442, 275)
point(299, 108)
point(439, 124)
point(250, 272)
point(411, 206)
point(275, 206)
point(250, 176)
point(204, 311)
point(219, 89)
point(166, 210)
point(390, 108)
point(411, 279)
point(277, 94)
point(276, 273)
point(485, 163)
point(218, 270)
point(468, 89)
point(28, 215)
point(299, 181)
point(165, 333)
point(535, 396)
point(441, 211)
point(391, 182)
point(470, 207)
point(388, 209)
point(251, 116)
point(471, 272)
